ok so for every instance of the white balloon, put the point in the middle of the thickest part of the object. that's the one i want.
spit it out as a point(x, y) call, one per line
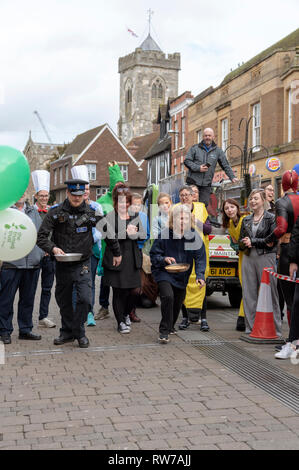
point(17, 235)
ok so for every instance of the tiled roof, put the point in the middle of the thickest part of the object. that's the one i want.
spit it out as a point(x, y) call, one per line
point(159, 147)
point(139, 146)
point(81, 141)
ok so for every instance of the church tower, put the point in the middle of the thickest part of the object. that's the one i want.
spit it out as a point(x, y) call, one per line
point(148, 78)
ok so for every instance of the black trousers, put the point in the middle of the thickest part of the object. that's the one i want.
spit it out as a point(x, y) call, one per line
point(294, 327)
point(11, 280)
point(124, 300)
point(47, 281)
point(68, 276)
point(172, 299)
point(204, 194)
point(288, 288)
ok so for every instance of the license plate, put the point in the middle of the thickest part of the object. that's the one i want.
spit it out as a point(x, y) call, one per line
point(221, 272)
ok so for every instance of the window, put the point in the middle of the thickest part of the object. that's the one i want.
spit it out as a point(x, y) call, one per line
point(125, 172)
point(157, 91)
point(92, 171)
point(66, 172)
point(290, 118)
point(256, 127)
point(152, 171)
point(224, 134)
point(128, 98)
point(183, 131)
point(175, 166)
point(101, 191)
point(176, 135)
point(55, 177)
point(60, 175)
point(199, 136)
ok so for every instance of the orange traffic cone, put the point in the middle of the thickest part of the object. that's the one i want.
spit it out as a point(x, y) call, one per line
point(264, 328)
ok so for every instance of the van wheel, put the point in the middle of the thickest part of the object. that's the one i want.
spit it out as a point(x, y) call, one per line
point(235, 297)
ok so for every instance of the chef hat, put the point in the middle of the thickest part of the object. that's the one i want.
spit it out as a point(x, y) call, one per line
point(41, 180)
point(80, 172)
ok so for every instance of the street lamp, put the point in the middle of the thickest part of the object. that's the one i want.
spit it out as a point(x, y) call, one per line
point(246, 159)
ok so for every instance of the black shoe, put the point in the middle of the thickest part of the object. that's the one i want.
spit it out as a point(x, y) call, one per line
point(204, 326)
point(83, 342)
point(184, 324)
point(30, 336)
point(62, 340)
point(6, 339)
point(241, 324)
point(173, 331)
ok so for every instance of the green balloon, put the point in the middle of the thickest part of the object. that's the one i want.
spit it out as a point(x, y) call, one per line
point(14, 176)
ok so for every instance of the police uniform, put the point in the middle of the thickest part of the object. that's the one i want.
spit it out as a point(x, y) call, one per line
point(70, 229)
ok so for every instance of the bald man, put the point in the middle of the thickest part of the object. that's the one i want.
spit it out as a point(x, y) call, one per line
point(201, 161)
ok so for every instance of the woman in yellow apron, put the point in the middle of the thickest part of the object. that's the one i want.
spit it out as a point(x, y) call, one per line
point(232, 220)
point(195, 301)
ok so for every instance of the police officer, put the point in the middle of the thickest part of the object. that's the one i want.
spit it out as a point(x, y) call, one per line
point(67, 228)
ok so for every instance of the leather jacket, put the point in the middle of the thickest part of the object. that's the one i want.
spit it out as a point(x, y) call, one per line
point(266, 228)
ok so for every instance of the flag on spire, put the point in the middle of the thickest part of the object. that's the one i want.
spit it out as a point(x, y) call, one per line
point(132, 32)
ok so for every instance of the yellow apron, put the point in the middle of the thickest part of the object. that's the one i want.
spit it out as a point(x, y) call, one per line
point(234, 232)
point(194, 296)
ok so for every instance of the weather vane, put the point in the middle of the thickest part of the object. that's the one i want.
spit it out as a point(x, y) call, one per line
point(150, 14)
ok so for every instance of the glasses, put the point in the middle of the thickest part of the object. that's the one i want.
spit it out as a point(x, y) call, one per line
point(122, 190)
point(184, 195)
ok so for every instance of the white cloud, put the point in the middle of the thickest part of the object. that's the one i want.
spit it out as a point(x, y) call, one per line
point(61, 57)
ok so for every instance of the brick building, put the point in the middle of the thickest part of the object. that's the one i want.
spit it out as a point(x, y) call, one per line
point(95, 148)
point(178, 112)
point(265, 87)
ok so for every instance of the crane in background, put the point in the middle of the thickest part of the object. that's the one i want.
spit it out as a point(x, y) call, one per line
point(43, 126)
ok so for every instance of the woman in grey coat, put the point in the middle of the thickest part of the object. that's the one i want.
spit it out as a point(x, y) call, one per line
point(259, 255)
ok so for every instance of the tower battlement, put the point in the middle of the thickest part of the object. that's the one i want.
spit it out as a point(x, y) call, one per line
point(141, 57)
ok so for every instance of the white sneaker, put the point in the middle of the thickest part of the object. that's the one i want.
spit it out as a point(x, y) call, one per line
point(286, 352)
point(123, 328)
point(46, 323)
point(128, 321)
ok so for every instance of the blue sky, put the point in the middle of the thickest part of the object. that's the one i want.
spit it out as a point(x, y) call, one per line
point(61, 57)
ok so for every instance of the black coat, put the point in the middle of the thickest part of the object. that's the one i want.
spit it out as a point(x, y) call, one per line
point(265, 229)
point(70, 229)
point(184, 250)
point(127, 274)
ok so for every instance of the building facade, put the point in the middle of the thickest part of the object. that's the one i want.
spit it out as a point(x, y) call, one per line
point(95, 149)
point(265, 93)
point(148, 77)
point(178, 112)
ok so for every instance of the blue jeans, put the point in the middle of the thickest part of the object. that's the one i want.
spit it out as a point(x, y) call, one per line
point(11, 280)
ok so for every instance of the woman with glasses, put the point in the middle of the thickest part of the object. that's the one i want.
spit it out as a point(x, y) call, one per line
point(258, 254)
point(123, 272)
point(181, 245)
